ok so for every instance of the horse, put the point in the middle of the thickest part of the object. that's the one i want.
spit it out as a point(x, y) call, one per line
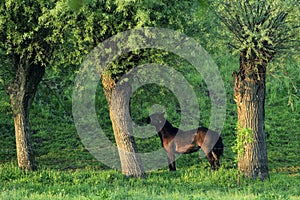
point(174, 140)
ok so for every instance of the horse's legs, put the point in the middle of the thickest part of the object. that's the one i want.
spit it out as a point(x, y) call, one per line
point(217, 164)
point(211, 160)
point(171, 160)
point(216, 160)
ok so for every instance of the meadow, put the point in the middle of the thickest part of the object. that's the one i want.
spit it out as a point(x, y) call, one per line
point(194, 182)
point(68, 171)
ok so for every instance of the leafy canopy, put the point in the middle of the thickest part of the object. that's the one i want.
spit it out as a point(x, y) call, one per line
point(23, 36)
point(260, 28)
point(59, 32)
point(94, 21)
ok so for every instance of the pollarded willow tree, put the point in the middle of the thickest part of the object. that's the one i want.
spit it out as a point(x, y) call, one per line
point(258, 30)
point(29, 46)
point(92, 22)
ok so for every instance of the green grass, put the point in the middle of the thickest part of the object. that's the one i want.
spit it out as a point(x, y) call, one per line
point(195, 182)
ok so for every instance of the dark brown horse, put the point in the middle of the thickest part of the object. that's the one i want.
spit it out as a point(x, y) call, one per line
point(174, 140)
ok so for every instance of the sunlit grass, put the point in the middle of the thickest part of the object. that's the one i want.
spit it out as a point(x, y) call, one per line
point(187, 183)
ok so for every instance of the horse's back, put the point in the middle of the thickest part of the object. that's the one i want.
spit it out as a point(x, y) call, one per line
point(209, 139)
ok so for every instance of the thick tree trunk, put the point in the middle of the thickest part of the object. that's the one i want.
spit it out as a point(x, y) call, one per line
point(118, 100)
point(249, 93)
point(22, 92)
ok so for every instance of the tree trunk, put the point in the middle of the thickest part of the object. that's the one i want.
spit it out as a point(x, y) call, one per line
point(249, 93)
point(118, 100)
point(22, 92)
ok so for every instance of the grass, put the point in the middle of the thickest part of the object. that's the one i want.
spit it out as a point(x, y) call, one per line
point(195, 182)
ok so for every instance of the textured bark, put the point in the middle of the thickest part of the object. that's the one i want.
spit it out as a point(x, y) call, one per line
point(118, 100)
point(249, 93)
point(22, 92)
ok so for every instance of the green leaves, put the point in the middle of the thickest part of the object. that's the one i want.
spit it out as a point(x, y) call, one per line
point(244, 137)
point(97, 21)
point(260, 28)
point(22, 34)
point(57, 31)
point(76, 4)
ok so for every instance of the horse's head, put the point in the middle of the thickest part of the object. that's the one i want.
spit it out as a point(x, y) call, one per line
point(158, 120)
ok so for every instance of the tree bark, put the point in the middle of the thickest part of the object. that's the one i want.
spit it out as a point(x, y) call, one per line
point(118, 97)
point(22, 91)
point(249, 93)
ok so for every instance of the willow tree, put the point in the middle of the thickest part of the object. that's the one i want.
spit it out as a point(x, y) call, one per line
point(28, 49)
point(96, 21)
point(258, 30)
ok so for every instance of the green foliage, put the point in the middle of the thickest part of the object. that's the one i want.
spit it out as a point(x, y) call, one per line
point(94, 21)
point(283, 77)
point(23, 36)
point(5, 77)
point(261, 29)
point(6, 123)
point(205, 28)
point(244, 137)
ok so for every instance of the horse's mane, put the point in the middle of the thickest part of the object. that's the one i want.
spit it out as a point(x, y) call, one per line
point(169, 128)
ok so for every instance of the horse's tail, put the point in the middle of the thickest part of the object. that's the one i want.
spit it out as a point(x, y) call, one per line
point(219, 147)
